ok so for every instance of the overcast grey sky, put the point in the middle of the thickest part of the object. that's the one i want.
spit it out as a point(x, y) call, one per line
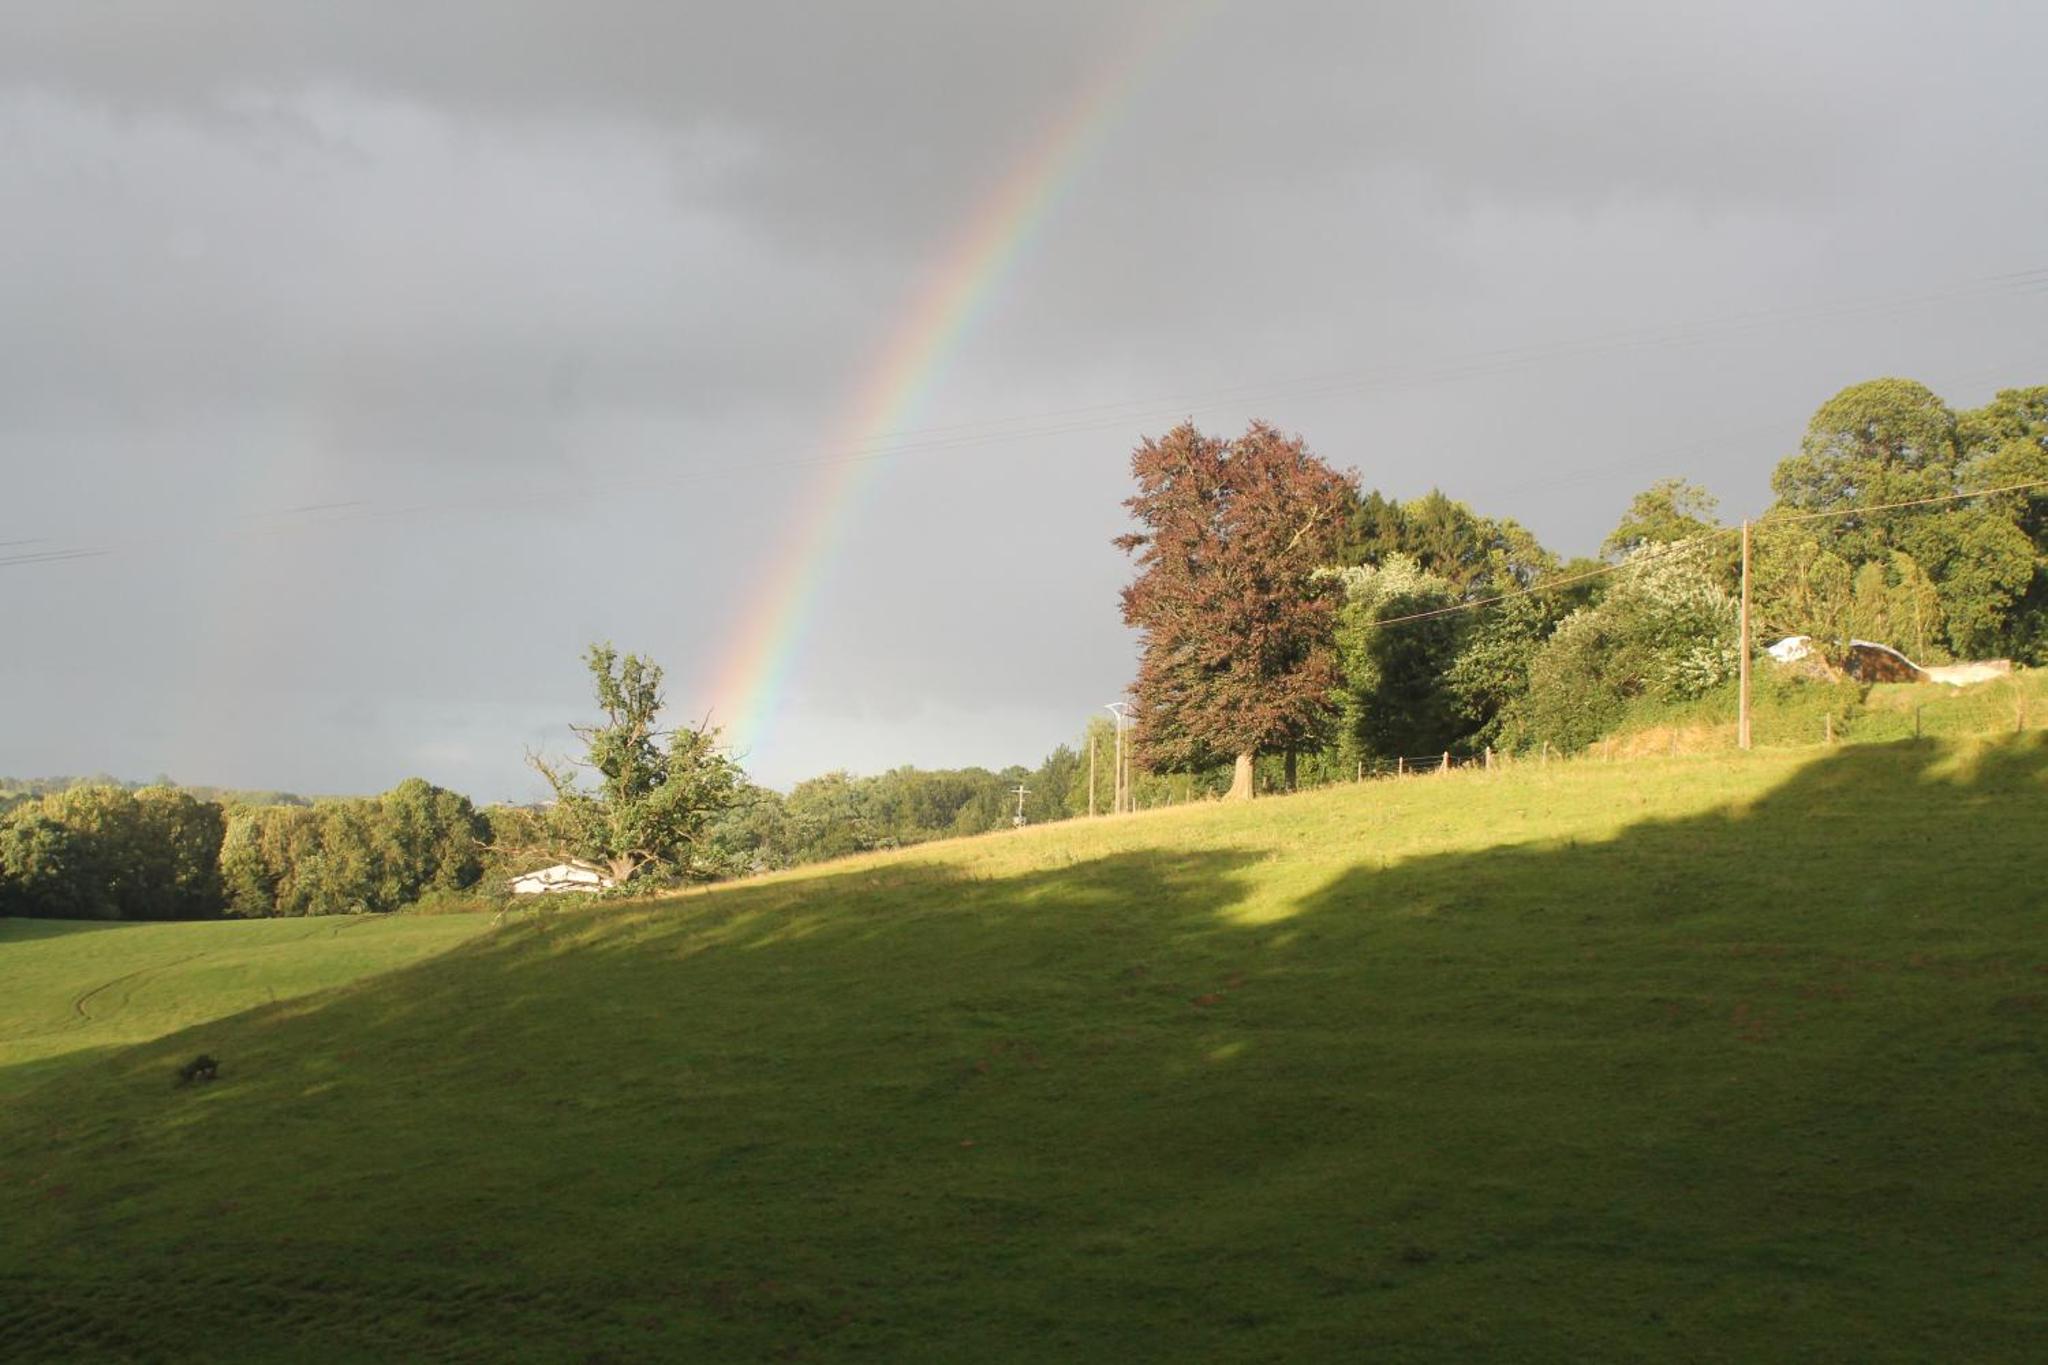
point(394, 353)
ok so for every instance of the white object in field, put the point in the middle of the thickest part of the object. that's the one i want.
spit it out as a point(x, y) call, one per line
point(562, 877)
point(1791, 649)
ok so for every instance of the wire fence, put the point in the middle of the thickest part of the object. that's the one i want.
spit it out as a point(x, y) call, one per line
point(2017, 705)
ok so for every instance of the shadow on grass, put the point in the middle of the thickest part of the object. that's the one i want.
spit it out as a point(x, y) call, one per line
point(28, 930)
point(927, 920)
point(1709, 1087)
point(20, 1077)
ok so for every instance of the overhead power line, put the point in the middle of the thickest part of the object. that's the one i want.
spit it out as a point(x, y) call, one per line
point(1773, 518)
point(52, 556)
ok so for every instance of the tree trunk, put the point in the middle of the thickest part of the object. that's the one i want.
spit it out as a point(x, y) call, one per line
point(1241, 788)
point(1290, 770)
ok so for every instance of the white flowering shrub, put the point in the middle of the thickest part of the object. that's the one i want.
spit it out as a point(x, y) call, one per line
point(1665, 630)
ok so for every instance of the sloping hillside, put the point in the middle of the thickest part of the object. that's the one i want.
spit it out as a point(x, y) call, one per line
point(1707, 1058)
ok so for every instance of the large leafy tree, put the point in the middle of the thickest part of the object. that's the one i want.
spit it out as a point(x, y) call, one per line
point(102, 852)
point(1669, 510)
point(1478, 556)
point(750, 835)
point(1872, 444)
point(46, 868)
point(351, 855)
point(1890, 441)
point(179, 841)
point(1237, 625)
point(430, 838)
point(2006, 444)
point(1394, 699)
point(1491, 671)
point(657, 790)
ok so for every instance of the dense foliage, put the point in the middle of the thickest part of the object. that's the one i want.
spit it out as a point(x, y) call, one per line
point(657, 790)
point(840, 813)
point(105, 852)
point(1392, 699)
point(352, 855)
point(1665, 630)
point(1457, 631)
point(97, 852)
point(1967, 579)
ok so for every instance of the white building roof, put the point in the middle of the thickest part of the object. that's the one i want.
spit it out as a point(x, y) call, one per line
point(570, 876)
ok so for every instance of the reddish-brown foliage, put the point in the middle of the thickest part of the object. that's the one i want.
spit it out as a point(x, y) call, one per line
point(1237, 629)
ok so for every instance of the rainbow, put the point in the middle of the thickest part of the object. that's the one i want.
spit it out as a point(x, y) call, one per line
point(755, 672)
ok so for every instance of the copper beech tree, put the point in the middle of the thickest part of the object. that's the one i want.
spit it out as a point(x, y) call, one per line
point(1237, 626)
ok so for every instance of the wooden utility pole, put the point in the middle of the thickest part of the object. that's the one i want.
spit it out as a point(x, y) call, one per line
point(1742, 663)
point(1091, 776)
point(1118, 795)
point(1122, 800)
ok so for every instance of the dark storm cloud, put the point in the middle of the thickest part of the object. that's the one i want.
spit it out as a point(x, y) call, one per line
point(557, 298)
point(860, 114)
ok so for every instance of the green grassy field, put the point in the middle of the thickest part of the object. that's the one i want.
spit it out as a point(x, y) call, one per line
point(69, 989)
point(1704, 1058)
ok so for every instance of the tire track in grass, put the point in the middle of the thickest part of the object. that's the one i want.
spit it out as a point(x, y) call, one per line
point(314, 931)
point(78, 1005)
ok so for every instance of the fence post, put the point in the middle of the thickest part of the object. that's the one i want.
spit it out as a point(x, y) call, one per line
point(1827, 725)
point(1400, 766)
point(1446, 767)
point(1916, 722)
point(1489, 758)
point(1544, 758)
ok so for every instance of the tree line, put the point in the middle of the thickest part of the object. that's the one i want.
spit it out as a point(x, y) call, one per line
point(1284, 611)
point(1293, 627)
point(100, 851)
